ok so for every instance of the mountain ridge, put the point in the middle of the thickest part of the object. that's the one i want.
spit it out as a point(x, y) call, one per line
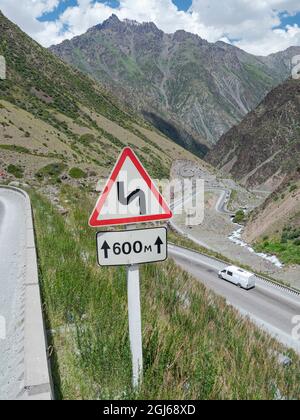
point(58, 124)
point(179, 82)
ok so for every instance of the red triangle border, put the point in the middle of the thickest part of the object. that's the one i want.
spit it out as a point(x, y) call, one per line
point(128, 153)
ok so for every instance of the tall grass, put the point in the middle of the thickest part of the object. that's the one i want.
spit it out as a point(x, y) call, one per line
point(195, 346)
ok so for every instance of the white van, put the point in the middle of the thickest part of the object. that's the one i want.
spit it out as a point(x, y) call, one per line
point(239, 277)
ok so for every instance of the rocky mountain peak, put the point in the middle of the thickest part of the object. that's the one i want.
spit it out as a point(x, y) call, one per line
point(113, 22)
point(204, 88)
point(181, 35)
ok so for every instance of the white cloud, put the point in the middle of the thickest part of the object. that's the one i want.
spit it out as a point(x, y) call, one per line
point(249, 24)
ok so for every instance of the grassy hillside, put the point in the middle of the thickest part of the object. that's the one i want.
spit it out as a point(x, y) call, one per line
point(59, 132)
point(51, 114)
point(274, 227)
point(194, 345)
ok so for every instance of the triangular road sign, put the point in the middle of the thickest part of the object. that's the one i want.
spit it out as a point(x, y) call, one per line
point(129, 196)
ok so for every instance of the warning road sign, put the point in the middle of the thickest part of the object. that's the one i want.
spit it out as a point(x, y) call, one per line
point(129, 196)
point(132, 247)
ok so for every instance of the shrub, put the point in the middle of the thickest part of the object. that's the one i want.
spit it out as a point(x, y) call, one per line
point(52, 170)
point(77, 173)
point(239, 216)
point(15, 170)
point(15, 148)
point(87, 139)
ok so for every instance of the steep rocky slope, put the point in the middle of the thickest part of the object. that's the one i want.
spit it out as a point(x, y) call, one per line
point(280, 211)
point(265, 147)
point(264, 151)
point(192, 90)
point(56, 122)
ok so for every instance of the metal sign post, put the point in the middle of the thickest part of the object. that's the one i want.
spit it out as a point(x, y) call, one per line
point(131, 248)
point(135, 323)
point(117, 205)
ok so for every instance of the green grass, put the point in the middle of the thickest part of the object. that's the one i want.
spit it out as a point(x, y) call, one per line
point(287, 247)
point(77, 173)
point(15, 148)
point(195, 346)
point(53, 170)
point(288, 253)
point(180, 240)
point(15, 170)
point(239, 217)
point(233, 198)
point(87, 139)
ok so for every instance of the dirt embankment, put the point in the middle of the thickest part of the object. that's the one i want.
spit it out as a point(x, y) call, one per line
point(280, 210)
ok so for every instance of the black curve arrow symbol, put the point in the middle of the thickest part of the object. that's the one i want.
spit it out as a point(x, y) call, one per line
point(131, 197)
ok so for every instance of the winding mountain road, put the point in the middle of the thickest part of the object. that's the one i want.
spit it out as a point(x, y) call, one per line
point(269, 306)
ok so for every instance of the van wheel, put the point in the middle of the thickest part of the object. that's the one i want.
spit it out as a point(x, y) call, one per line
point(239, 285)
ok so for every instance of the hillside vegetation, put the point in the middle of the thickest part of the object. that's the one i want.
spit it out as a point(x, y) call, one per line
point(274, 227)
point(195, 346)
point(59, 132)
point(51, 114)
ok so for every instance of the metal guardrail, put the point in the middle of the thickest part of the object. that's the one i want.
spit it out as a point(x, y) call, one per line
point(266, 280)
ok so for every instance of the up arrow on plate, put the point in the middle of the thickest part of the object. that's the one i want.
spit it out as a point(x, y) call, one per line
point(105, 247)
point(158, 243)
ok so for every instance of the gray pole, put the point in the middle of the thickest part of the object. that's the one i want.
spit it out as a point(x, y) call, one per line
point(135, 323)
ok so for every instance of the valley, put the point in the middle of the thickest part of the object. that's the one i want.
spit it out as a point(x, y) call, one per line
point(217, 227)
point(66, 113)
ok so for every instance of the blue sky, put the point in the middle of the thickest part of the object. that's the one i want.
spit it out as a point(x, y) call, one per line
point(253, 25)
point(289, 20)
point(63, 5)
point(182, 5)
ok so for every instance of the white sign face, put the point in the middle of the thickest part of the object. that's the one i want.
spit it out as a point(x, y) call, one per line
point(129, 196)
point(130, 247)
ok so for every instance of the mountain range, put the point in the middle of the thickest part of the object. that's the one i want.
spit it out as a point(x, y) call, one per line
point(56, 121)
point(192, 90)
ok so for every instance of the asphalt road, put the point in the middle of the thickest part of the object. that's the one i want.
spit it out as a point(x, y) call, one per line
point(12, 268)
point(269, 307)
point(221, 206)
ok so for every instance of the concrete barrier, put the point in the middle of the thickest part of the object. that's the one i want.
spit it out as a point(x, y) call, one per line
point(37, 380)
